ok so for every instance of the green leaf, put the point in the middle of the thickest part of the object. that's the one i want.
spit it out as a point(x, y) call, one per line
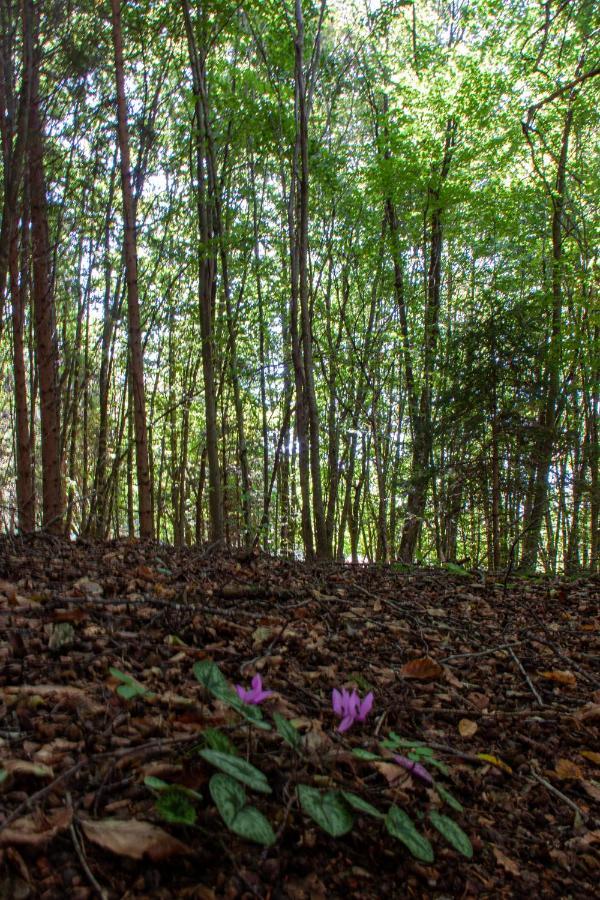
point(287, 731)
point(217, 740)
point(208, 674)
point(327, 810)
point(229, 796)
point(156, 784)
point(247, 821)
point(364, 754)
point(393, 741)
point(3, 775)
point(419, 753)
point(401, 826)
point(361, 805)
point(447, 797)
point(452, 832)
point(455, 570)
point(238, 768)
point(443, 768)
point(130, 687)
point(174, 805)
point(251, 713)
point(251, 824)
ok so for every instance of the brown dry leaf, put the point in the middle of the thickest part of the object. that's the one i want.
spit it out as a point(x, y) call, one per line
point(479, 701)
point(316, 740)
point(37, 829)
point(467, 728)
point(509, 865)
point(565, 769)
point(60, 693)
point(593, 757)
point(559, 676)
point(389, 771)
point(592, 789)
point(423, 669)
point(588, 713)
point(130, 837)
point(164, 592)
point(10, 592)
point(17, 767)
point(89, 588)
point(581, 843)
point(452, 680)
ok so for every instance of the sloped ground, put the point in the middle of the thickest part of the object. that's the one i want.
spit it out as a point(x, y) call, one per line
point(468, 666)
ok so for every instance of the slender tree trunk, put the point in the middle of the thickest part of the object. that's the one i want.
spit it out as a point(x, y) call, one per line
point(25, 485)
point(422, 425)
point(206, 285)
point(323, 549)
point(133, 304)
point(43, 300)
point(544, 444)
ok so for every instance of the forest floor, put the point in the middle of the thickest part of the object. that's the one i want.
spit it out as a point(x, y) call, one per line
point(501, 682)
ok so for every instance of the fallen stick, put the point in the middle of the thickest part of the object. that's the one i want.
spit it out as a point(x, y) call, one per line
point(526, 677)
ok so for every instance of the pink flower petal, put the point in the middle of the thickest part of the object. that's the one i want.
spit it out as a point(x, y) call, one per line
point(336, 700)
point(415, 768)
point(346, 722)
point(365, 707)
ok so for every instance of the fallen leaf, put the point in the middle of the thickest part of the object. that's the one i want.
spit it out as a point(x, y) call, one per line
point(22, 767)
point(133, 838)
point(59, 693)
point(261, 635)
point(494, 761)
point(467, 728)
point(559, 676)
point(588, 713)
point(423, 669)
point(479, 701)
point(565, 769)
point(390, 771)
point(89, 588)
point(37, 829)
point(10, 592)
point(508, 864)
point(593, 757)
point(592, 789)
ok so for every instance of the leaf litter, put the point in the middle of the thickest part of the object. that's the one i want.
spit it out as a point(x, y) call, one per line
point(494, 686)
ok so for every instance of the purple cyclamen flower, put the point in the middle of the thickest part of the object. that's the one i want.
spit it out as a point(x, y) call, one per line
point(414, 768)
point(255, 694)
point(350, 708)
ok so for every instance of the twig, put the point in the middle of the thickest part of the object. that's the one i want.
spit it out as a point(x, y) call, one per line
point(81, 856)
point(526, 677)
point(480, 652)
point(68, 773)
point(558, 793)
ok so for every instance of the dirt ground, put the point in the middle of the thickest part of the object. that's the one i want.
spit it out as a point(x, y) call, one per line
point(499, 681)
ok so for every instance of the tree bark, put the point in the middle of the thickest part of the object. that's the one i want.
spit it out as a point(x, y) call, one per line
point(43, 298)
point(544, 444)
point(206, 285)
point(146, 525)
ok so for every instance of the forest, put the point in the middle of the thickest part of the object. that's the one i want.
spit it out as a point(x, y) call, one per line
point(299, 449)
point(321, 278)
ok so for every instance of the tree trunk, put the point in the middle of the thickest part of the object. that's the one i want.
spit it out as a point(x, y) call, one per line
point(544, 444)
point(43, 300)
point(25, 484)
point(133, 305)
point(206, 285)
